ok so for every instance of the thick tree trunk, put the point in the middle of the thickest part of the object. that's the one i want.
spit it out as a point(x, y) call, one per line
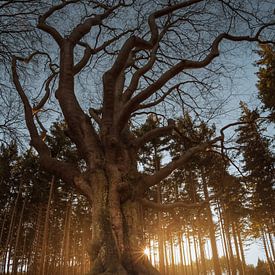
point(117, 246)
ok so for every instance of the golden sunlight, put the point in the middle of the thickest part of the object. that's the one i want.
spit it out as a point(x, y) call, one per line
point(146, 251)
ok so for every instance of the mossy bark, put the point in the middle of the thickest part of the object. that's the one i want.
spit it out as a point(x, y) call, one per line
point(117, 238)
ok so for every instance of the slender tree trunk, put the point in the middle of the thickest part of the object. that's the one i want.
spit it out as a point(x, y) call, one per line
point(201, 245)
point(160, 235)
point(271, 245)
point(3, 225)
point(82, 264)
point(42, 269)
point(166, 260)
point(223, 236)
point(271, 269)
point(190, 252)
point(172, 255)
point(36, 245)
point(182, 256)
point(196, 254)
point(160, 229)
point(2, 251)
point(18, 232)
point(231, 254)
point(185, 257)
point(24, 257)
point(237, 249)
point(8, 244)
point(241, 250)
point(66, 239)
point(212, 234)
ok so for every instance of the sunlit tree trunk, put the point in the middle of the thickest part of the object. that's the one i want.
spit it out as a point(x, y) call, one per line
point(66, 239)
point(269, 261)
point(202, 254)
point(229, 244)
point(42, 269)
point(223, 236)
point(172, 259)
point(212, 234)
point(269, 247)
point(234, 233)
point(160, 226)
point(189, 251)
point(82, 264)
point(166, 260)
point(24, 256)
point(18, 235)
point(241, 250)
point(8, 244)
point(196, 253)
point(37, 242)
point(182, 254)
point(271, 244)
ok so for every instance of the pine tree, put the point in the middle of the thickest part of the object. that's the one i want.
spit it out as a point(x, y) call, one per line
point(266, 75)
point(259, 167)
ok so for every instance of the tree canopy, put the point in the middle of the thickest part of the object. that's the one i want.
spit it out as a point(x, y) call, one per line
point(107, 67)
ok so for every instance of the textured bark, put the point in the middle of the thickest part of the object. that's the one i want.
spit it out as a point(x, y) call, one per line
point(111, 182)
point(117, 245)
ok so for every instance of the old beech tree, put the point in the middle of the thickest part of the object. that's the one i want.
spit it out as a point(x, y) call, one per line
point(144, 51)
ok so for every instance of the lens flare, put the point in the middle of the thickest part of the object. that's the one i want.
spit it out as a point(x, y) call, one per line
point(146, 251)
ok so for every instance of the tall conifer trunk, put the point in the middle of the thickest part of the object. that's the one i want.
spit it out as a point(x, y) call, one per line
point(212, 235)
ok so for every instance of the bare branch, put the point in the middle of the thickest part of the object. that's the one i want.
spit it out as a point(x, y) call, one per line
point(155, 133)
point(162, 12)
point(85, 59)
point(159, 100)
point(63, 170)
point(82, 29)
point(35, 138)
point(140, 72)
point(88, 52)
point(42, 25)
point(151, 180)
point(185, 64)
point(43, 101)
point(171, 206)
point(94, 115)
point(178, 204)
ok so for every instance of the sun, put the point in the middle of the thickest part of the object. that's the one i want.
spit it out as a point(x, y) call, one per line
point(146, 251)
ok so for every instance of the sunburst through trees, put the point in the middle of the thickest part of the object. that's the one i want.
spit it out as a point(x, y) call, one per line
point(115, 156)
